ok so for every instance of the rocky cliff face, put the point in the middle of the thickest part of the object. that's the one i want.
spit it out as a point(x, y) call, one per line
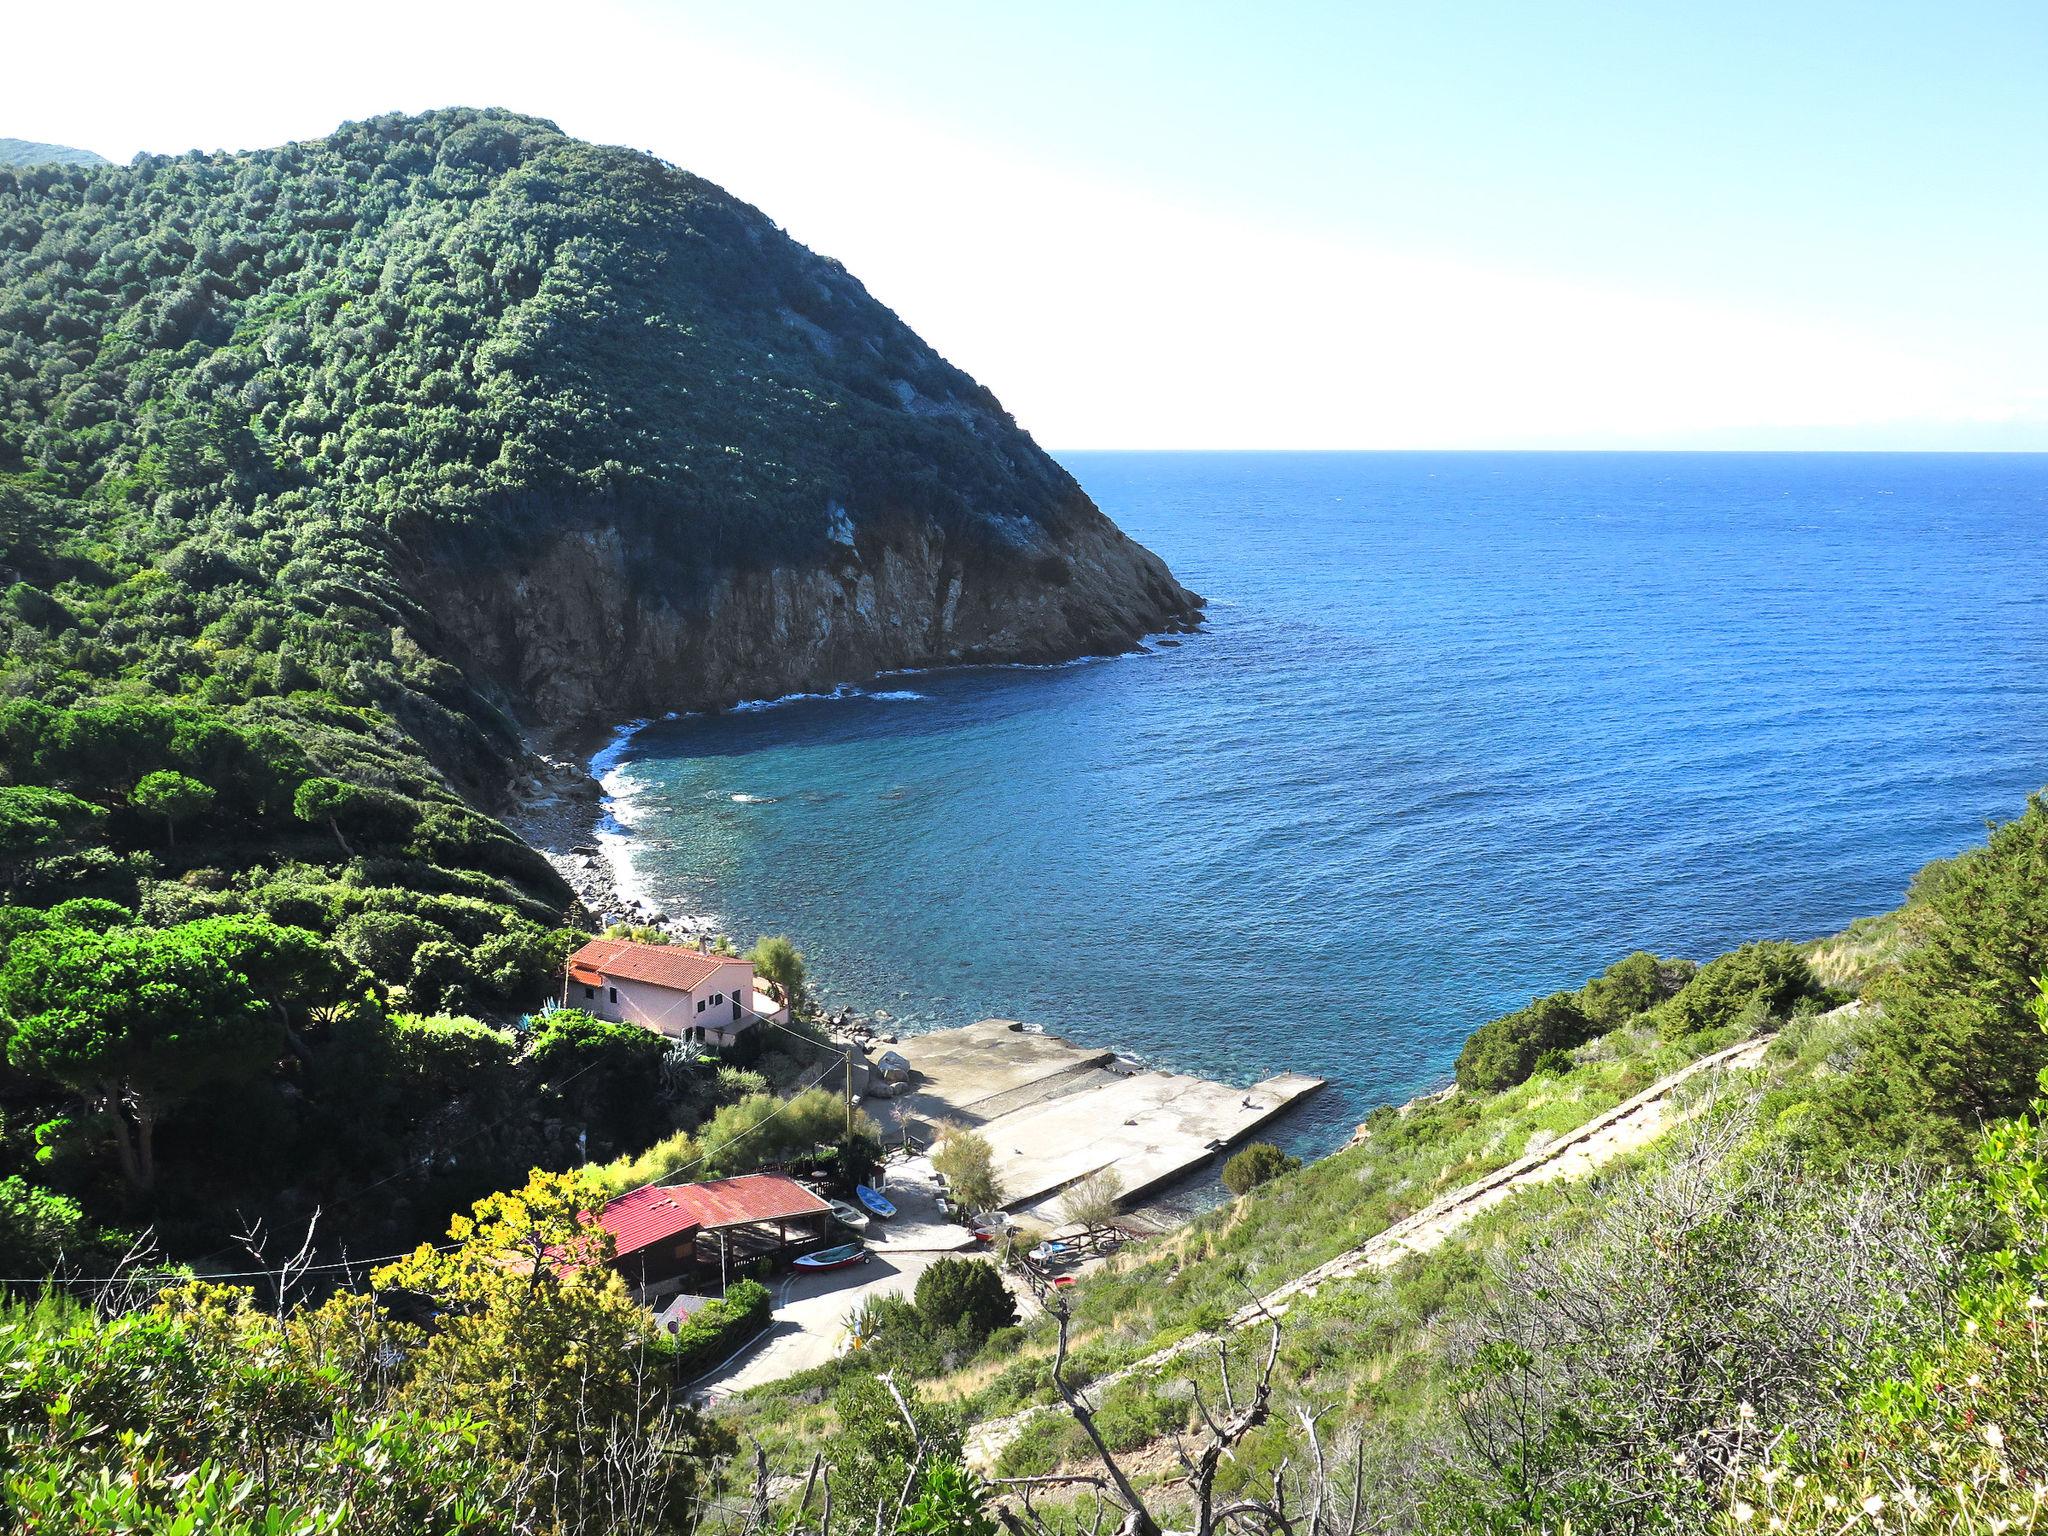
point(576, 632)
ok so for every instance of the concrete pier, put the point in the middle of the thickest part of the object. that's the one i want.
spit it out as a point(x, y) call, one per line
point(1054, 1112)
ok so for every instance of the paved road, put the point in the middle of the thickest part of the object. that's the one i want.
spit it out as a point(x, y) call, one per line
point(810, 1319)
point(811, 1309)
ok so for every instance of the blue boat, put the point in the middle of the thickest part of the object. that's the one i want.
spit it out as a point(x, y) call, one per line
point(873, 1200)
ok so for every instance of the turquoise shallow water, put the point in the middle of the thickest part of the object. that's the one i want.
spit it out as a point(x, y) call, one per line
point(1462, 729)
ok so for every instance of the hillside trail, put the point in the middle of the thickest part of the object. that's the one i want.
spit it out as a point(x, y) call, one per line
point(1626, 1128)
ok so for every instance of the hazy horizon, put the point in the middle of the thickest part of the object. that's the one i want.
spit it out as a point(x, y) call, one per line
point(1349, 227)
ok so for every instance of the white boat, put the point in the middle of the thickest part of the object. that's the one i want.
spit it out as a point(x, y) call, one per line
point(849, 1215)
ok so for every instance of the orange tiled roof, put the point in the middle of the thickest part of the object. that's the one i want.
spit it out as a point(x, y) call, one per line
point(678, 967)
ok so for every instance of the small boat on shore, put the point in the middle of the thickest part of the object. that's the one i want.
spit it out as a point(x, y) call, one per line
point(873, 1200)
point(848, 1215)
point(832, 1258)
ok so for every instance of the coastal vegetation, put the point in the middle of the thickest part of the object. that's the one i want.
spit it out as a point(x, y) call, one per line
point(269, 948)
point(1838, 1325)
point(273, 961)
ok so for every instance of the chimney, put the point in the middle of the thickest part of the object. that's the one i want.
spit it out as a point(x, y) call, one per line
point(703, 944)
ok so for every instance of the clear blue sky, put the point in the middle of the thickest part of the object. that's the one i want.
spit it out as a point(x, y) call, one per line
point(1292, 225)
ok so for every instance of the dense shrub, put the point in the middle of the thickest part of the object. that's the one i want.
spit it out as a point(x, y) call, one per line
point(719, 1327)
point(1956, 1043)
point(1257, 1164)
point(1764, 981)
point(1506, 1050)
point(968, 1295)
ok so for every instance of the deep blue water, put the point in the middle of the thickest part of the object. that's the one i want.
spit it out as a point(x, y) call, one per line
point(1463, 728)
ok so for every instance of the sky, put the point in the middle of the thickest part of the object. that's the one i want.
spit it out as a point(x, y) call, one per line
point(1459, 224)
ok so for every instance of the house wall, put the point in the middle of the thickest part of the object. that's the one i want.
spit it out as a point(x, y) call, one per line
point(671, 1012)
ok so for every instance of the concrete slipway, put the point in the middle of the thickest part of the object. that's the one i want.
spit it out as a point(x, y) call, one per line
point(1054, 1112)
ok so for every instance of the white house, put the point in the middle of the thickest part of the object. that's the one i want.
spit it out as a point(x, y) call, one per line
point(684, 992)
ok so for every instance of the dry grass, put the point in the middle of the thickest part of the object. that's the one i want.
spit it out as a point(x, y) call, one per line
point(1865, 950)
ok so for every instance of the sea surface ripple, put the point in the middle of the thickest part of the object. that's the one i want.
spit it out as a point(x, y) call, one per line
point(1462, 729)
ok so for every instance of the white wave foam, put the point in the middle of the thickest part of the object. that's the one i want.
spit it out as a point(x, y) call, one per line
point(607, 757)
point(843, 691)
point(749, 706)
point(753, 799)
point(614, 824)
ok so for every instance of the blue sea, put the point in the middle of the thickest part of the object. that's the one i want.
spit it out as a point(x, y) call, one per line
point(1462, 728)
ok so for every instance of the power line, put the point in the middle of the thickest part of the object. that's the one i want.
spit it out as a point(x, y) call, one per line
point(251, 1274)
point(139, 1276)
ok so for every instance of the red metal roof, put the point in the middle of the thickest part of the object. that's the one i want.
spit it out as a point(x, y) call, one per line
point(649, 1216)
point(678, 967)
point(644, 1218)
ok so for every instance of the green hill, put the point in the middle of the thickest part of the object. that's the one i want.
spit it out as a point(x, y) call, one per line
point(28, 152)
point(567, 419)
point(331, 473)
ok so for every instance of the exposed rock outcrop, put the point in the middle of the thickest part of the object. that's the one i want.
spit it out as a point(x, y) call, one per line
point(576, 631)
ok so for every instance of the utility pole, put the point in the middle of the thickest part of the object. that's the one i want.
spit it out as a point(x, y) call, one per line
point(849, 1093)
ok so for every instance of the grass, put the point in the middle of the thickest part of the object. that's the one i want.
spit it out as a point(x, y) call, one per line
point(1190, 1280)
point(1863, 951)
point(1371, 1345)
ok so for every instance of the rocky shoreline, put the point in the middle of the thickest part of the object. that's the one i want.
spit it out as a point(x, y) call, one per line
point(560, 810)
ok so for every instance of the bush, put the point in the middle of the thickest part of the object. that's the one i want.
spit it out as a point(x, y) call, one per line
point(1257, 1164)
point(449, 1055)
point(1506, 1050)
point(1766, 980)
point(718, 1328)
point(967, 1295)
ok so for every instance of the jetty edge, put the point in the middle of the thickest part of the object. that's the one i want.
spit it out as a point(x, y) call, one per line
point(1054, 1112)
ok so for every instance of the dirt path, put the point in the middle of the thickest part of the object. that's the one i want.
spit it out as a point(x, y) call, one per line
point(1626, 1128)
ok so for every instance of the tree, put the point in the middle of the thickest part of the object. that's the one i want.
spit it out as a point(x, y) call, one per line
point(1256, 1165)
point(132, 1020)
point(36, 821)
point(537, 1339)
point(1955, 1044)
point(967, 1295)
point(1096, 1201)
point(298, 976)
point(173, 796)
point(326, 801)
point(370, 813)
point(779, 962)
point(968, 1163)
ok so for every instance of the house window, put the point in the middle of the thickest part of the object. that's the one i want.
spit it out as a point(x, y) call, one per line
point(590, 991)
point(614, 992)
point(700, 1005)
point(718, 997)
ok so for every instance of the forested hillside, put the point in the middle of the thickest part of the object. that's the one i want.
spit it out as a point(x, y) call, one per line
point(28, 152)
point(326, 472)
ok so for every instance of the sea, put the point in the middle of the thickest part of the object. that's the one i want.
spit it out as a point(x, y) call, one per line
point(1460, 729)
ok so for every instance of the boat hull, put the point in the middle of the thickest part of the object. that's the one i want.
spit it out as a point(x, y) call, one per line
point(831, 1258)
